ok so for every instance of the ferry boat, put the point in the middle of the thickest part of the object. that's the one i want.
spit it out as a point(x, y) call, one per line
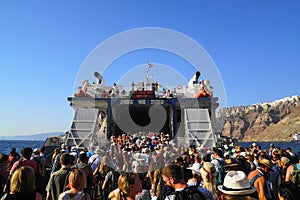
point(100, 111)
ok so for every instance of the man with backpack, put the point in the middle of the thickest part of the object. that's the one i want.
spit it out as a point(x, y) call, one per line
point(218, 161)
point(259, 179)
point(173, 177)
point(59, 179)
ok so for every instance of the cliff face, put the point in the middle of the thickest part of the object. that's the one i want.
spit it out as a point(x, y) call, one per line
point(274, 121)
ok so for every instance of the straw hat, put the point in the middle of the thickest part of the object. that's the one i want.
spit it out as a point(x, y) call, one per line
point(239, 149)
point(266, 163)
point(208, 171)
point(230, 163)
point(236, 183)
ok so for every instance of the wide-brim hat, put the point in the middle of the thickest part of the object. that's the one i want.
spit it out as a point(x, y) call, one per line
point(236, 183)
point(266, 163)
point(195, 168)
point(208, 167)
point(230, 163)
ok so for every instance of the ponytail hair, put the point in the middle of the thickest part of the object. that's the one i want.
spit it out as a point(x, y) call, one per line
point(124, 182)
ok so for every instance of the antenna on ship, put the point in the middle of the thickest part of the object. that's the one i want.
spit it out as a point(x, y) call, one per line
point(148, 65)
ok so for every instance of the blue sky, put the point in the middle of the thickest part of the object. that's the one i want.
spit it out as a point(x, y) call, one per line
point(254, 44)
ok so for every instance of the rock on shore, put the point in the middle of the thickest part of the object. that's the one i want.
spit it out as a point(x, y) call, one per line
point(272, 121)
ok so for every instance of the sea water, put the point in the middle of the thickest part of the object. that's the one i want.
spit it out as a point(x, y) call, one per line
point(6, 145)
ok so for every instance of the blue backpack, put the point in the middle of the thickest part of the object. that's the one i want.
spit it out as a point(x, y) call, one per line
point(221, 171)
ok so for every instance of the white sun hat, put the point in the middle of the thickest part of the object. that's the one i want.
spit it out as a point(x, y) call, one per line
point(236, 183)
point(195, 168)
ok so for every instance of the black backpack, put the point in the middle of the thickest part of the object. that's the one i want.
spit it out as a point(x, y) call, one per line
point(189, 193)
point(113, 182)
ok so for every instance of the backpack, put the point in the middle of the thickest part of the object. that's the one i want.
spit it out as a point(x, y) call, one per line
point(89, 175)
point(38, 165)
point(252, 181)
point(221, 171)
point(295, 176)
point(56, 166)
point(189, 193)
point(113, 182)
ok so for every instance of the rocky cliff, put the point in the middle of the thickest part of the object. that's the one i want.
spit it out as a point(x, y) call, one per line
point(273, 121)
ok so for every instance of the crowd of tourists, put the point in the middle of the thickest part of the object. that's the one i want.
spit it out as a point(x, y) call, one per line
point(151, 167)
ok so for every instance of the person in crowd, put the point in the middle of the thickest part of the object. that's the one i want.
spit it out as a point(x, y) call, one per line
point(236, 186)
point(129, 185)
point(293, 170)
point(143, 195)
point(289, 151)
point(26, 155)
point(40, 175)
point(13, 157)
point(43, 160)
point(56, 162)
point(74, 153)
point(95, 159)
point(274, 175)
point(90, 151)
point(284, 162)
point(58, 180)
point(271, 149)
point(56, 152)
point(157, 184)
point(250, 160)
point(77, 182)
point(258, 148)
point(230, 165)
point(173, 177)
point(146, 186)
point(196, 181)
point(288, 191)
point(100, 173)
point(259, 179)
point(64, 148)
point(218, 161)
point(22, 185)
point(243, 164)
point(36, 158)
point(82, 163)
point(110, 181)
point(197, 161)
point(209, 177)
point(3, 172)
